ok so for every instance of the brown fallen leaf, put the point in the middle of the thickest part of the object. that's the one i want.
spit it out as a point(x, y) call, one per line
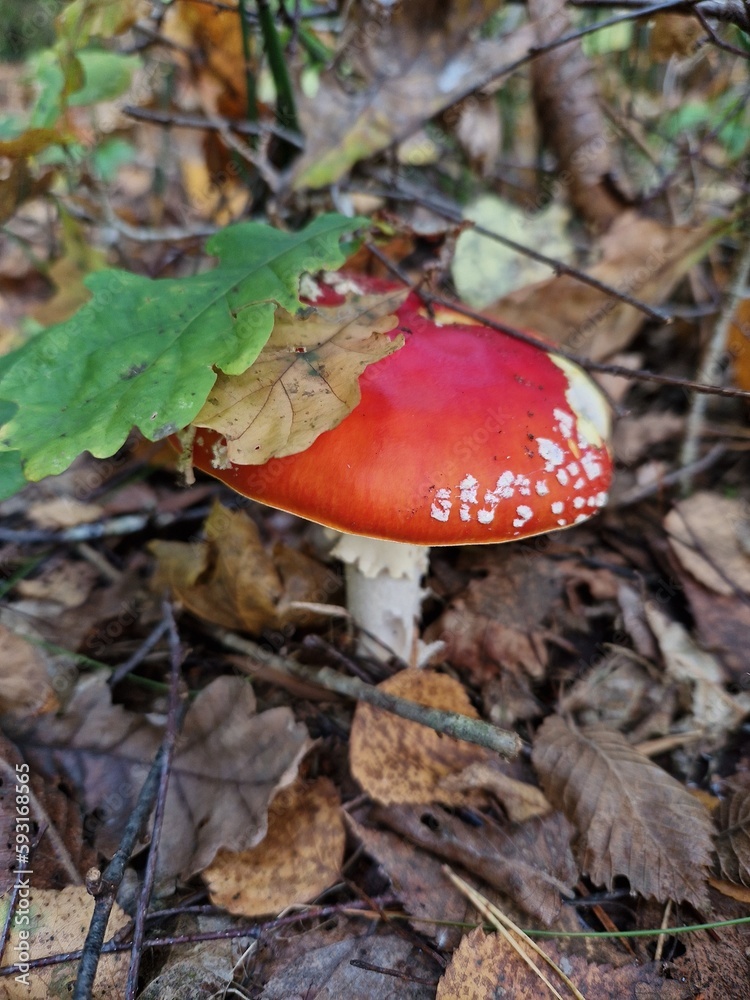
point(58, 922)
point(25, 682)
point(713, 707)
point(739, 345)
point(520, 800)
point(633, 819)
point(343, 961)
point(495, 624)
point(229, 764)
point(410, 62)
point(417, 878)
point(530, 862)
point(305, 380)
point(639, 256)
point(566, 97)
point(233, 581)
point(715, 966)
point(299, 857)
point(395, 760)
point(733, 840)
point(673, 35)
point(710, 535)
point(722, 625)
point(485, 966)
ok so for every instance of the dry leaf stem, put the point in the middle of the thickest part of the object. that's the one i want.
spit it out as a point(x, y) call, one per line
point(461, 727)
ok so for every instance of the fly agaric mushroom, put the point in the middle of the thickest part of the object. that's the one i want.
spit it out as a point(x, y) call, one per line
point(463, 436)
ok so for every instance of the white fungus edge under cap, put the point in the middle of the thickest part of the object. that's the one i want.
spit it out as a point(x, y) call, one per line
point(588, 403)
point(372, 556)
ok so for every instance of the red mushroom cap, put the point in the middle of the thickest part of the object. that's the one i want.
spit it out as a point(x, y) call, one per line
point(463, 436)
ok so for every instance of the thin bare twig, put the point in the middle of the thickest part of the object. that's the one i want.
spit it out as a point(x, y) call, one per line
point(453, 214)
point(109, 882)
point(121, 672)
point(169, 744)
point(461, 727)
point(197, 121)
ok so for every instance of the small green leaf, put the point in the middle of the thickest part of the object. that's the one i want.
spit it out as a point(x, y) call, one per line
point(12, 479)
point(144, 352)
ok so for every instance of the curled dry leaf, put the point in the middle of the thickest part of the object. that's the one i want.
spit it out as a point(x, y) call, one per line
point(300, 856)
point(710, 535)
point(485, 965)
point(58, 924)
point(733, 839)
point(530, 862)
point(305, 380)
point(713, 707)
point(395, 760)
point(229, 763)
point(232, 580)
point(633, 819)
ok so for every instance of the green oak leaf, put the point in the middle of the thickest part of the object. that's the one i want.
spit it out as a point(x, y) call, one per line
point(144, 352)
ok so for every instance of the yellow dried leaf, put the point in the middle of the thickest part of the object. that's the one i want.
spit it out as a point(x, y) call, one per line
point(232, 580)
point(304, 382)
point(58, 922)
point(300, 856)
point(397, 761)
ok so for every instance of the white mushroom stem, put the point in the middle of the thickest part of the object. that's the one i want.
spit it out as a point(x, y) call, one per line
point(384, 595)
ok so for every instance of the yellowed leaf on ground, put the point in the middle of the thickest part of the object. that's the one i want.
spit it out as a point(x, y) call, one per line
point(25, 684)
point(639, 256)
point(58, 922)
point(395, 760)
point(633, 819)
point(304, 382)
point(300, 856)
point(234, 581)
point(706, 533)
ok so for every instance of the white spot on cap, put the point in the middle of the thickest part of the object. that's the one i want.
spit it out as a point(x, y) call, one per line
point(441, 505)
point(573, 468)
point(564, 422)
point(524, 514)
point(579, 483)
point(557, 507)
point(591, 465)
point(523, 485)
point(581, 517)
point(503, 491)
point(562, 522)
point(551, 453)
point(541, 487)
point(579, 502)
point(468, 488)
point(562, 477)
